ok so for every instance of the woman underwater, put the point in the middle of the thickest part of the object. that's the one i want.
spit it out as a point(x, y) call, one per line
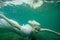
point(26, 30)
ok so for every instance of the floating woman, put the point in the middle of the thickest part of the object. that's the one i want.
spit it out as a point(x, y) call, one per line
point(27, 29)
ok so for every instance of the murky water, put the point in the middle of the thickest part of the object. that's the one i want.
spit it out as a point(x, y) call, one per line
point(48, 15)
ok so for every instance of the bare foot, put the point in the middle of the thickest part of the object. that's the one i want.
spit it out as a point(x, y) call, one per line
point(2, 16)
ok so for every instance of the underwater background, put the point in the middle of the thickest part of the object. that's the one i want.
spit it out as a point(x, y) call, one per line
point(48, 15)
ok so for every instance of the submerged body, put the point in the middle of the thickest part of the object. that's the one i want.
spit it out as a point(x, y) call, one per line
point(26, 30)
point(23, 30)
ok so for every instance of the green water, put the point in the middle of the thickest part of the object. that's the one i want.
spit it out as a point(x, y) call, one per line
point(48, 15)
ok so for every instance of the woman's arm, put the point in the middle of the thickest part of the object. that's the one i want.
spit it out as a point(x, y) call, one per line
point(49, 30)
point(11, 22)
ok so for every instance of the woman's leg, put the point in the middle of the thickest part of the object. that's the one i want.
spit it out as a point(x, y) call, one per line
point(11, 22)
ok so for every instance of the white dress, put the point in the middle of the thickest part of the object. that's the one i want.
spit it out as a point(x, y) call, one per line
point(26, 29)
